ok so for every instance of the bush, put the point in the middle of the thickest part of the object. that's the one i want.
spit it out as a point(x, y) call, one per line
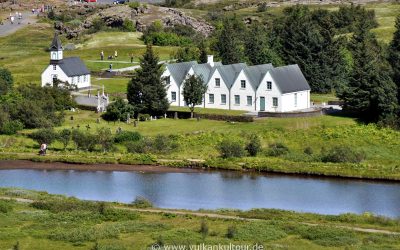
point(64, 136)
point(134, 5)
point(231, 232)
point(11, 127)
point(128, 26)
point(308, 151)
point(141, 202)
point(5, 207)
point(339, 154)
point(143, 117)
point(105, 138)
point(229, 148)
point(84, 141)
point(46, 135)
point(327, 236)
point(126, 136)
point(139, 147)
point(164, 144)
point(204, 228)
point(253, 147)
point(277, 149)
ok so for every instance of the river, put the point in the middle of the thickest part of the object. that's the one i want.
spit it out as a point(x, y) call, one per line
point(213, 190)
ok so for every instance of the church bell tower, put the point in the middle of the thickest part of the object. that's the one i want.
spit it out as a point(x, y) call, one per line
point(56, 50)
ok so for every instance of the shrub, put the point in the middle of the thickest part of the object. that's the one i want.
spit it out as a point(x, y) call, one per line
point(164, 144)
point(11, 127)
point(308, 151)
point(277, 149)
point(253, 147)
point(128, 25)
point(105, 138)
point(134, 5)
point(339, 154)
point(231, 232)
point(141, 202)
point(84, 141)
point(64, 136)
point(126, 136)
point(139, 147)
point(204, 228)
point(262, 7)
point(5, 207)
point(229, 148)
point(143, 117)
point(327, 236)
point(45, 135)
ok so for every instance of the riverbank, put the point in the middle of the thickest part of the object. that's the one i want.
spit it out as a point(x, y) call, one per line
point(37, 220)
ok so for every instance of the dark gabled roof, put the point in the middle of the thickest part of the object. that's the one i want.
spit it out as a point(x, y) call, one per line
point(56, 44)
point(289, 79)
point(179, 70)
point(230, 72)
point(257, 72)
point(203, 70)
point(73, 66)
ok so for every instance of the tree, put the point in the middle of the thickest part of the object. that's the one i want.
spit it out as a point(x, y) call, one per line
point(193, 92)
point(105, 138)
point(147, 91)
point(308, 39)
point(394, 57)
point(46, 135)
point(84, 141)
point(119, 110)
point(186, 54)
point(64, 136)
point(370, 93)
point(6, 81)
point(229, 43)
point(253, 147)
point(203, 58)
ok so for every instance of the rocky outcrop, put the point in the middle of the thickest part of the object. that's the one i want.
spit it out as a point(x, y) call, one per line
point(175, 17)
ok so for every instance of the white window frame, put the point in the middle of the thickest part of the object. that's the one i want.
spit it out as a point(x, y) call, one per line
point(237, 101)
point(273, 101)
point(222, 99)
point(211, 98)
point(241, 84)
point(295, 99)
point(269, 85)
point(251, 100)
point(173, 96)
point(218, 80)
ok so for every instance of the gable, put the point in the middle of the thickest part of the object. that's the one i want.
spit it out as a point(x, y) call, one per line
point(289, 79)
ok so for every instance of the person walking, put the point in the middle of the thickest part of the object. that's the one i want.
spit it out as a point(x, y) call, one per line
point(12, 19)
point(131, 58)
point(115, 54)
point(102, 55)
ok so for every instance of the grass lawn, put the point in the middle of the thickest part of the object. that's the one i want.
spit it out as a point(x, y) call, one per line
point(319, 98)
point(209, 111)
point(57, 222)
point(112, 85)
point(200, 140)
point(24, 52)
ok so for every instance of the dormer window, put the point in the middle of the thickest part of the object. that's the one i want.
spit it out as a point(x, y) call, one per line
point(243, 84)
point(269, 85)
point(217, 82)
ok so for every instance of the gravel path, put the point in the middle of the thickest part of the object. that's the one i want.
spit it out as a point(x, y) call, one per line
point(7, 28)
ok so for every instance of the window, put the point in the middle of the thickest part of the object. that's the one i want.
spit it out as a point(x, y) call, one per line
point(173, 96)
point(54, 67)
point(79, 79)
point(243, 84)
point(237, 99)
point(275, 101)
point(168, 80)
point(269, 85)
point(249, 100)
point(217, 82)
point(85, 78)
point(211, 98)
point(223, 99)
point(295, 99)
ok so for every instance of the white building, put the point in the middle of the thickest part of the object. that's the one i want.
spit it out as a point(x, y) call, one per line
point(242, 87)
point(70, 69)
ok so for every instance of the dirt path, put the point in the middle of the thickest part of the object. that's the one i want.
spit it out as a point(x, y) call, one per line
point(7, 28)
point(221, 216)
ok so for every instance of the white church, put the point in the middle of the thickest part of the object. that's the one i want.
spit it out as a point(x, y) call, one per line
point(242, 87)
point(69, 69)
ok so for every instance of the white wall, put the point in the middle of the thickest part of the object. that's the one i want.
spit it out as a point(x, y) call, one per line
point(173, 87)
point(80, 81)
point(243, 93)
point(269, 94)
point(289, 103)
point(47, 75)
point(217, 91)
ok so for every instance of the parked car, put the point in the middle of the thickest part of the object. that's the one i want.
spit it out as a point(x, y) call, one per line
point(120, 1)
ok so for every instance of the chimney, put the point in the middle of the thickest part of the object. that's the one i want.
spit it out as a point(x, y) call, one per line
point(210, 60)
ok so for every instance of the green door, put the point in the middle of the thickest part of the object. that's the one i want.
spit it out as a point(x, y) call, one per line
point(262, 103)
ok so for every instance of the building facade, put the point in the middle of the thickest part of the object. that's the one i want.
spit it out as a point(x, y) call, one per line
point(242, 87)
point(70, 69)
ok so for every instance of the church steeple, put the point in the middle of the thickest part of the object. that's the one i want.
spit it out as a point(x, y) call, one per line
point(56, 49)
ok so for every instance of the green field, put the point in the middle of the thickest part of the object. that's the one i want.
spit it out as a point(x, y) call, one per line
point(24, 52)
point(39, 221)
point(199, 140)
